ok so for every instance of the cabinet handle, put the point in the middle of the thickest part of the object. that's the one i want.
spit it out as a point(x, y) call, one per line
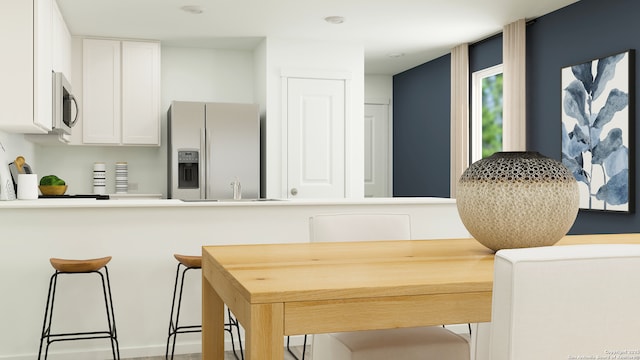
point(75, 104)
point(294, 191)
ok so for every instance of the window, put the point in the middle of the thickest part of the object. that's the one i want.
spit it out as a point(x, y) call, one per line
point(486, 116)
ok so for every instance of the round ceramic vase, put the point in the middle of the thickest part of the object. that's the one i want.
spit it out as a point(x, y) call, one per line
point(517, 199)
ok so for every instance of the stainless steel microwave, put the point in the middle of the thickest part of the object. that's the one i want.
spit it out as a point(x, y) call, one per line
point(65, 106)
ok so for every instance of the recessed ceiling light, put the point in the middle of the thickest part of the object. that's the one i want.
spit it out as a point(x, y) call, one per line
point(192, 9)
point(334, 19)
point(395, 55)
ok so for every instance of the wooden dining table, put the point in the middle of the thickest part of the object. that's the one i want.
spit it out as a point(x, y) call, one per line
point(276, 290)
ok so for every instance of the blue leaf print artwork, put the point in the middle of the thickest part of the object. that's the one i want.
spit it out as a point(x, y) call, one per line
point(595, 141)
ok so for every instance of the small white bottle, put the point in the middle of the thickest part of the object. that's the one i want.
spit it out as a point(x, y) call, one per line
point(99, 178)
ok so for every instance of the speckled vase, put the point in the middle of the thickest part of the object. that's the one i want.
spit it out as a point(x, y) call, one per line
point(517, 199)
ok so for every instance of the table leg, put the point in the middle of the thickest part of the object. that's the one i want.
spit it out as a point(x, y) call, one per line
point(265, 335)
point(212, 323)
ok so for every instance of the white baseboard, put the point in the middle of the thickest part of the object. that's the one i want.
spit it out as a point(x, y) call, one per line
point(105, 353)
point(159, 350)
point(125, 353)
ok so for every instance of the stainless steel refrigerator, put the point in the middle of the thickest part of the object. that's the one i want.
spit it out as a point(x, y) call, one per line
point(214, 149)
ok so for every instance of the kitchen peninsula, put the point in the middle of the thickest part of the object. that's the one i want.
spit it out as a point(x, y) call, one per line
point(142, 235)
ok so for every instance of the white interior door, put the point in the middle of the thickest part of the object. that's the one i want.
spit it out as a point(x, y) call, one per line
point(316, 138)
point(377, 129)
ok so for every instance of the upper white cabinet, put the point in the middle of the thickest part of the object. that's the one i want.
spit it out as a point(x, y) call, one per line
point(101, 121)
point(141, 93)
point(26, 65)
point(121, 92)
point(61, 44)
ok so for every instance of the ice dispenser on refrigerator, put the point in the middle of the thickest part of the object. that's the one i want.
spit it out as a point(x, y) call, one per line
point(188, 169)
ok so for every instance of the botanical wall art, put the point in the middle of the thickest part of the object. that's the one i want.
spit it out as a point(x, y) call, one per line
point(598, 131)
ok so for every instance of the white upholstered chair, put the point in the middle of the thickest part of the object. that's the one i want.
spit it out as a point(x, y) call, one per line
point(432, 342)
point(564, 302)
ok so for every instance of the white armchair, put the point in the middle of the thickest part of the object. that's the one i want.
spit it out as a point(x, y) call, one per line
point(359, 227)
point(566, 302)
point(433, 342)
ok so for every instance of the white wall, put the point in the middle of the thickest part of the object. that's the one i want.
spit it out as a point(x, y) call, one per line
point(15, 145)
point(284, 55)
point(378, 87)
point(191, 74)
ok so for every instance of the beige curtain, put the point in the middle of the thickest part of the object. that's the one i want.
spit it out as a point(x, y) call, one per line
point(459, 114)
point(514, 86)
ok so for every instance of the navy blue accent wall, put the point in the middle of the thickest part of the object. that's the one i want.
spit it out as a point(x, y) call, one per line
point(486, 53)
point(421, 121)
point(580, 32)
point(421, 130)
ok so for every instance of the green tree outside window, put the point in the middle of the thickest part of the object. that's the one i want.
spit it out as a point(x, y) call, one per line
point(491, 115)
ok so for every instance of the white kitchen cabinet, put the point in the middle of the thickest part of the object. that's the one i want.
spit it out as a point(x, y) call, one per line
point(61, 44)
point(25, 66)
point(101, 91)
point(121, 92)
point(141, 93)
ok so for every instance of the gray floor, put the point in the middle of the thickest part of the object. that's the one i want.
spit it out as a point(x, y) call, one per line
point(228, 355)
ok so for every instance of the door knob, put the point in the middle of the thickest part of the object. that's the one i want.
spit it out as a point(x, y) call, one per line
point(294, 191)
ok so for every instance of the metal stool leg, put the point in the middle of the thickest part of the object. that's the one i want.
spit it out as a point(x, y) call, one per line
point(233, 322)
point(304, 348)
point(175, 328)
point(111, 318)
point(239, 339)
point(172, 328)
point(48, 315)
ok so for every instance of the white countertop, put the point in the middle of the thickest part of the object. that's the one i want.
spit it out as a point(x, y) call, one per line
point(141, 202)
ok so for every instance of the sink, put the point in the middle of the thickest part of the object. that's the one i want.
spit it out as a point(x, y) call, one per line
point(247, 200)
point(229, 200)
point(198, 200)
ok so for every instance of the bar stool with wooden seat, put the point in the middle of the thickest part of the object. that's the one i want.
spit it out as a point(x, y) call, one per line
point(66, 267)
point(186, 263)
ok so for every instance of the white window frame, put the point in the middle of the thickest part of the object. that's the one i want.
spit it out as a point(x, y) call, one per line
point(476, 110)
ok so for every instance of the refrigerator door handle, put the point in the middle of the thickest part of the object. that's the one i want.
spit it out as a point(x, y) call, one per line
point(208, 167)
point(204, 169)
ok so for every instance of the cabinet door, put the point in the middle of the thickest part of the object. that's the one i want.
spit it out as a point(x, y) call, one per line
point(101, 91)
point(16, 40)
point(140, 93)
point(43, 88)
point(61, 44)
point(25, 66)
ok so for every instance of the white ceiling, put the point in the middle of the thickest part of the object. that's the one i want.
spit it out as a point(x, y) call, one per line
point(422, 30)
